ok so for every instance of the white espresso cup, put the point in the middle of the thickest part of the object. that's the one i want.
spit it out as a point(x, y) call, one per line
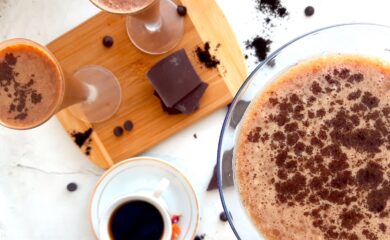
point(152, 197)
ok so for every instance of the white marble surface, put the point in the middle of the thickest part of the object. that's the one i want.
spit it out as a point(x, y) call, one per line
point(36, 165)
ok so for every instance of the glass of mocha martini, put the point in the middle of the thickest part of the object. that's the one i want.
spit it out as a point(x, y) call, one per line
point(304, 151)
point(33, 87)
point(153, 26)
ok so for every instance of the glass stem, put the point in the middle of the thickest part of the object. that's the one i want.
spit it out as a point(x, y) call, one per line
point(75, 91)
point(154, 26)
point(150, 16)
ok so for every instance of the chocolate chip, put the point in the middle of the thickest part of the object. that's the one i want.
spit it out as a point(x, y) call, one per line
point(309, 11)
point(195, 136)
point(108, 41)
point(71, 187)
point(223, 217)
point(118, 131)
point(181, 10)
point(199, 237)
point(128, 125)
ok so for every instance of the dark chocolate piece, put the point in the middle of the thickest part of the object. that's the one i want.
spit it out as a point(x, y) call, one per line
point(118, 131)
point(108, 41)
point(227, 172)
point(238, 113)
point(190, 102)
point(128, 125)
point(173, 78)
point(168, 110)
point(181, 10)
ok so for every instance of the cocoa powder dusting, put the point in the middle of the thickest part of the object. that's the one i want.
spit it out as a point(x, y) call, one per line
point(22, 93)
point(314, 169)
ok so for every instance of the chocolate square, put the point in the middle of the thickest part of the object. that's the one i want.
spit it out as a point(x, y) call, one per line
point(227, 172)
point(173, 78)
point(191, 102)
point(168, 110)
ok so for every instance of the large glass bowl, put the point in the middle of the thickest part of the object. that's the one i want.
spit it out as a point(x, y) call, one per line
point(357, 38)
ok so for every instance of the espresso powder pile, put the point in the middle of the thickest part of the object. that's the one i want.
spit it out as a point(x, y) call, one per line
point(83, 138)
point(272, 8)
point(205, 57)
point(269, 10)
point(260, 45)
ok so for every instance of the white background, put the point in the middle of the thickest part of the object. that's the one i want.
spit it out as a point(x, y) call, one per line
point(36, 165)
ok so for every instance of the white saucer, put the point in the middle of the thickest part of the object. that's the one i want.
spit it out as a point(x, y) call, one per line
point(143, 174)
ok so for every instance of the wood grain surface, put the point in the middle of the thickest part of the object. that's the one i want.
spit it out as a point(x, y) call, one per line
point(83, 45)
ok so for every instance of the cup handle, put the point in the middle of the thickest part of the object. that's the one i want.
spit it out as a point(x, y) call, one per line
point(162, 185)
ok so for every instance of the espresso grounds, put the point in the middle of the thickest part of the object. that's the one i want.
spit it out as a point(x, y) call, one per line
point(272, 7)
point(81, 137)
point(260, 45)
point(205, 57)
point(313, 155)
point(269, 10)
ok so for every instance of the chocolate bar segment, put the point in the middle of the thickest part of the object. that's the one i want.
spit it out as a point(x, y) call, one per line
point(173, 78)
point(191, 102)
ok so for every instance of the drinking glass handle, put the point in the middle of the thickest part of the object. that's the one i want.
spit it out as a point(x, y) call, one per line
point(162, 185)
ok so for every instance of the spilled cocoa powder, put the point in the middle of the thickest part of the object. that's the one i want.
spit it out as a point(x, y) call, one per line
point(83, 140)
point(260, 45)
point(205, 55)
point(314, 151)
point(269, 11)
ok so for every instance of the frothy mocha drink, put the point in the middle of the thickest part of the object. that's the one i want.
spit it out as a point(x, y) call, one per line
point(30, 86)
point(313, 154)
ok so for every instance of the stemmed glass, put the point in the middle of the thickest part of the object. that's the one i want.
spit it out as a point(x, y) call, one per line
point(153, 26)
point(93, 93)
point(339, 39)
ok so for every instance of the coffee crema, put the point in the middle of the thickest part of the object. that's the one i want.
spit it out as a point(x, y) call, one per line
point(30, 86)
point(313, 153)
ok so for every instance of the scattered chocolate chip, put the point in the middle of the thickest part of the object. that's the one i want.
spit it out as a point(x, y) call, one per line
point(128, 125)
point(195, 136)
point(118, 131)
point(223, 217)
point(108, 41)
point(181, 10)
point(71, 187)
point(200, 237)
point(309, 11)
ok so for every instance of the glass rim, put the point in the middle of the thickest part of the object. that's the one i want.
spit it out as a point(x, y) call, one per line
point(242, 89)
point(112, 10)
point(46, 51)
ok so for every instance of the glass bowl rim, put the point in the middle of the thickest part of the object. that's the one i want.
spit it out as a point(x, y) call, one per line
point(241, 89)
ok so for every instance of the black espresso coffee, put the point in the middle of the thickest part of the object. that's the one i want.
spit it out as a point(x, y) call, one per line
point(136, 220)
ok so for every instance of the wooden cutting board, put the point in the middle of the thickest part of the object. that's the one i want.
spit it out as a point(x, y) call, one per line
point(83, 45)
